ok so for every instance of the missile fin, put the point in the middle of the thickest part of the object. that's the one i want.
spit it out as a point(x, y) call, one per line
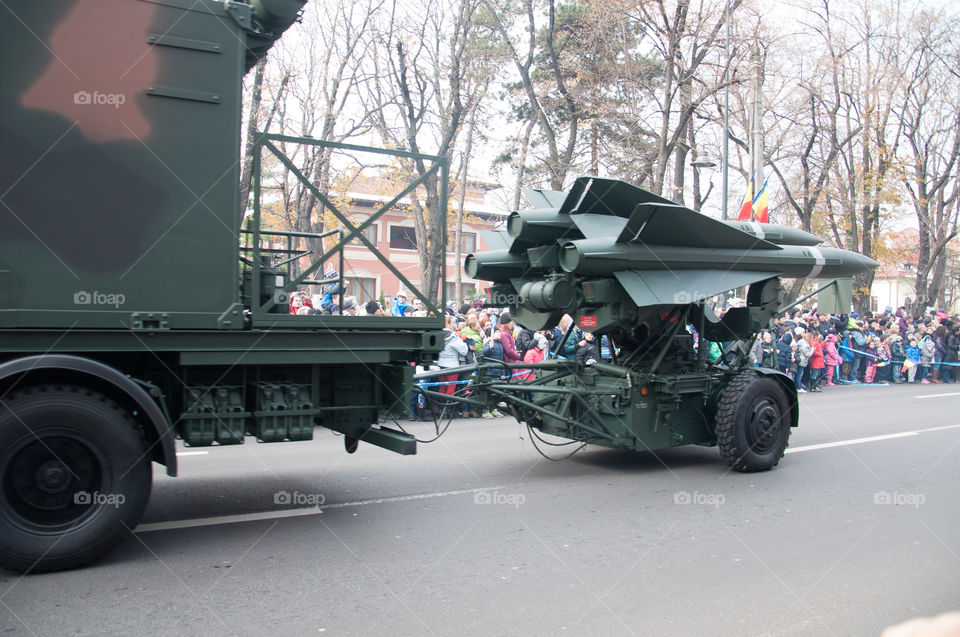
point(496, 239)
point(675, 225)
point(538, 198)
point(663, 287)
point(593, 226)
point(610, 197)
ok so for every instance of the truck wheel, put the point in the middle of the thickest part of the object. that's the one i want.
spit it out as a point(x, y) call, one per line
point(75, 476)
point(753, 422)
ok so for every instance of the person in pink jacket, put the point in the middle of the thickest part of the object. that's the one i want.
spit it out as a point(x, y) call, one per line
point(831, 357)
point(535, 354)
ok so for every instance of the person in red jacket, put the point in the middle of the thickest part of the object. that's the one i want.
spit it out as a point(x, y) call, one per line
point(510, 354)
point(816, 362)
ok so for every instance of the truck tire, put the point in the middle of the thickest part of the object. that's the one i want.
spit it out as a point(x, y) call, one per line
point(752, 422)
point(75, 477)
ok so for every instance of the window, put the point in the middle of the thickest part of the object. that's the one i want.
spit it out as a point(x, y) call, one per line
point(370, 233)
point(468, 242)
point(364, 288)
point(468, 291)
point(402, 238)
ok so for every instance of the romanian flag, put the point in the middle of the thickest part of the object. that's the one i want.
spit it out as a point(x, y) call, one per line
point(746, 208)
point(761, 205)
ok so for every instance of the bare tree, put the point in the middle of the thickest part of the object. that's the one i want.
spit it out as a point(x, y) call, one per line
point(929, 115)
point(435, 74)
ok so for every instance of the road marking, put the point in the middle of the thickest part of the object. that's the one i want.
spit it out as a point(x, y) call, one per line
point(858, 441)
point(192, 453)
point(954, 393)
point(293, 513)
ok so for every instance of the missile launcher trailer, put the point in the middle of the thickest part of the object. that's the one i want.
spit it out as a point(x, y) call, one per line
point(639, 270)
point(135, 305)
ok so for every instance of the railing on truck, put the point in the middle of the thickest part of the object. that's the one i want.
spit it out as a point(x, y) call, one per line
point(264, 272)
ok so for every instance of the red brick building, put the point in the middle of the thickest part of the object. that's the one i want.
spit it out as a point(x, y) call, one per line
point(393, 234)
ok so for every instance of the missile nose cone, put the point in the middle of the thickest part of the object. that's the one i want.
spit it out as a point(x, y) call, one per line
point(858, 262)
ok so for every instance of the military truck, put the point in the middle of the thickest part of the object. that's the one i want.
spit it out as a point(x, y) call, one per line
point(136, 305)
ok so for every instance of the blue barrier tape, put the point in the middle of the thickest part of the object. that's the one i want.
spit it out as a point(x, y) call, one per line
point(869, 355)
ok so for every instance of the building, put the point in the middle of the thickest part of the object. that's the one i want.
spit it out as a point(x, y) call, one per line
point(368, 278)
point(894, 283)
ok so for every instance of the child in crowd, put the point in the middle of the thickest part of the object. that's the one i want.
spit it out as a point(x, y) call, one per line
point(816, 362)
point(871, 356)
point(831, 358)
point(913, 357)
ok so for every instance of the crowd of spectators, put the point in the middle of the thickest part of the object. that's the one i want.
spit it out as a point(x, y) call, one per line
point(821, 350)
point(475, 331)
point(816, 350)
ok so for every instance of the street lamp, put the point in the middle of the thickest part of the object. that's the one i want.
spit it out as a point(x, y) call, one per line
point(697, 164)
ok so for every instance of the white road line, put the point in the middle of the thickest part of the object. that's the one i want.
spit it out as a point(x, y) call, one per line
point(191, 453)
point(954, 393)
point(858, 441)
point(293, 513)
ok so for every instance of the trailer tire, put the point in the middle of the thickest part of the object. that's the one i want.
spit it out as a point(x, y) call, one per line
point(753, 422)
point(75, 477)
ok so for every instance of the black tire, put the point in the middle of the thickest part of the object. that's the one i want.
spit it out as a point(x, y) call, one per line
point(75, 477)
point(753, 422)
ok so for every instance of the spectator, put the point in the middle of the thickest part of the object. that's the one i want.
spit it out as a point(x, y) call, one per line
point(912, 361)
point(785, 362)
point(587, 352)
point(400, 306)
point(569, 349)
point(802, 356)
point(535, 354)
point(768, 352)
point(872, 359)
point(816, 363)
point(831, 358)
point(756, 350)
point(470, 333)
point(510, 354)
point(928, 351)
point(898, 356)
point(453, 349)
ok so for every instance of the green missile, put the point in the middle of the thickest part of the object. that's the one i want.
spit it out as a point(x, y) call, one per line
point(601, 257)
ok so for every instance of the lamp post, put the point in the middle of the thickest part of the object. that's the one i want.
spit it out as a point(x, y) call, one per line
point(697, 164)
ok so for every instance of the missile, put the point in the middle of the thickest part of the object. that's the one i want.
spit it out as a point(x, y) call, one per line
point(607, 241)
point(596, 257)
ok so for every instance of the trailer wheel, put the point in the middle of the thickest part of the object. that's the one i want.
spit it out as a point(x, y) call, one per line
point(75, 477)
point(753, 422)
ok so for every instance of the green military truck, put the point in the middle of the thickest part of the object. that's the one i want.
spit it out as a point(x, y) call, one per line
point(136, 306)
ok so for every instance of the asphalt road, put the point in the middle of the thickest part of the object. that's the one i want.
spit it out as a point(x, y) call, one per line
point(858, 528)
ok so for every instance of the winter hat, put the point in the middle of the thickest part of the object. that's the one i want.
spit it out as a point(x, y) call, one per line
point(504, 318)
point(798, 331)
point(540, 340)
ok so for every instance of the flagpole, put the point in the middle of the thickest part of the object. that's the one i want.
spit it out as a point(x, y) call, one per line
point(726, 122)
